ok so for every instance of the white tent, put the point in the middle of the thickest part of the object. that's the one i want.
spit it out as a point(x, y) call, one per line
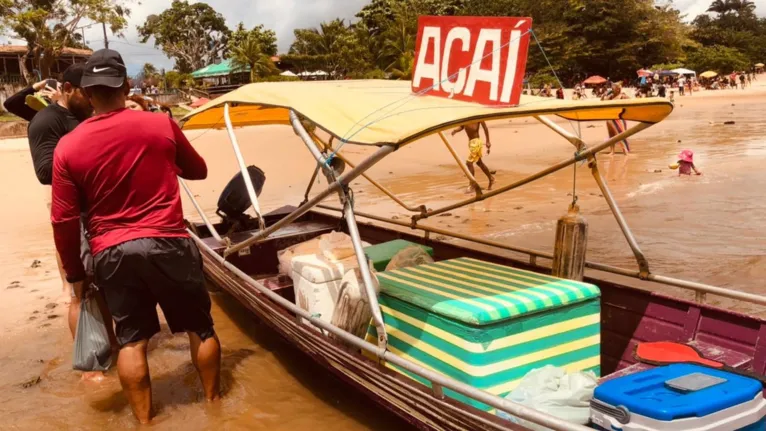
point(305, 74)
point(682, 71)
point(287, 73)
point(320, 73)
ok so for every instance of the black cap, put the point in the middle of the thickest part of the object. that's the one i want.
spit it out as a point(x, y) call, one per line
point(105, 67)
point(73, 74)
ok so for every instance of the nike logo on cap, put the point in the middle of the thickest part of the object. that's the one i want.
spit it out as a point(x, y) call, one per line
point(99, 70)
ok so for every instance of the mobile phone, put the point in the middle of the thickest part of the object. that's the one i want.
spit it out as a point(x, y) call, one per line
point(52, 83)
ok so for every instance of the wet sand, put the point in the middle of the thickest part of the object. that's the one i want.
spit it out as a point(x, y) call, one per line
point(707, 229)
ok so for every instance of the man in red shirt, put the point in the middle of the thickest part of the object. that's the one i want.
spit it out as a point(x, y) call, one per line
point(120, 169)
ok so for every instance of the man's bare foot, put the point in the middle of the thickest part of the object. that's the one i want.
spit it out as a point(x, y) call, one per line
point(491, 183)
point(93, 376)
point(493, 171)
point(472, 189)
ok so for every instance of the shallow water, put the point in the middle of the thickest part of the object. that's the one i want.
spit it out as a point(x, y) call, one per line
point(709, 229)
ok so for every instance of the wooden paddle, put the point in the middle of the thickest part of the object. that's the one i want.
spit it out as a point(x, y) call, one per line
point(668, 352)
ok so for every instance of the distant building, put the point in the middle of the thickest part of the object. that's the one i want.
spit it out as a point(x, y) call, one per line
point(11, 58)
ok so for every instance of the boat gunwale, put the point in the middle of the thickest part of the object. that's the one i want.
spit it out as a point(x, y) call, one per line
point(464, 389)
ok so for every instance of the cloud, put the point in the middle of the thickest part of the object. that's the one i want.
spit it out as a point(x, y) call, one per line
point(282, 16)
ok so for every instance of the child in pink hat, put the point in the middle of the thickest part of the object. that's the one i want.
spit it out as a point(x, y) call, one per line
point(686, 163)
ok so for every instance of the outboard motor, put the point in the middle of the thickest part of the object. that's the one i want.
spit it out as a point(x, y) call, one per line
point(234, 200)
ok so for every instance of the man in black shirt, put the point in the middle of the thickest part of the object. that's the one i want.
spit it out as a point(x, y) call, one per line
point(45, 130)
point(48, 126)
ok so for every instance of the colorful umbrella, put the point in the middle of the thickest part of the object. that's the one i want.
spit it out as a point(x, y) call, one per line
point(595, 80)
point(645, 72)
point(201, 101)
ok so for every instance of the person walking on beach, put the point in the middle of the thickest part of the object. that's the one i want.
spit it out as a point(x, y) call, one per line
point(615, 127)
point(475, 150)
point(120, 167)
point(46, 128)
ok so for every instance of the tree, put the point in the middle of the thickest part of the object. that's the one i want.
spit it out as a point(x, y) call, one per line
point(176, 79)
point(195, 35)
point(49, 26)
point(721, 59)
point(721, 7)
point(249, 54)
point(267, 39)
point(332, 47)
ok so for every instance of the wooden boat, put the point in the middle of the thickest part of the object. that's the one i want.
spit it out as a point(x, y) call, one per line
point(244, 262)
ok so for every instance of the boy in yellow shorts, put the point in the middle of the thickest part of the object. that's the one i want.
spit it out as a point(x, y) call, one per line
point(475, 147)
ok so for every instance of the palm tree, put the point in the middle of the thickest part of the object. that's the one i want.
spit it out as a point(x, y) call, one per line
point(721, 7)
point(249, 54)
point(402, 68)
point(742, 7)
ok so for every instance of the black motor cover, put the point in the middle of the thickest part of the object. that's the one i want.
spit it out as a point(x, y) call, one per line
point(234, 200)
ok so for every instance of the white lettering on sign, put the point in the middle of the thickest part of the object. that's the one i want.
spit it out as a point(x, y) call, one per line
point(428, 70)
point(492, 38)
point(463, 35)
point(475, 59)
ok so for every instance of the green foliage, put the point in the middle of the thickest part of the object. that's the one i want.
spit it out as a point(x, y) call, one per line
point(666, 66)
point(540, 79)
point(277, 78)
point(267, 39)
point(248, 53)
point(717, 58)
point(176, 79)
point(735, 26)
point(49, 26)
point(195, 35)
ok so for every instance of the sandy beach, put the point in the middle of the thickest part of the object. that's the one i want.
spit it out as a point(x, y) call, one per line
point(708, 229)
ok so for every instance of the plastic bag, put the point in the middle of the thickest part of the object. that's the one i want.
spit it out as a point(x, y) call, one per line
point(408, 257)
point(92, 351)
point(551, 390)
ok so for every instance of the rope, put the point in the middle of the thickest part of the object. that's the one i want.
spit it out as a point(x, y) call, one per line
point(345, 140)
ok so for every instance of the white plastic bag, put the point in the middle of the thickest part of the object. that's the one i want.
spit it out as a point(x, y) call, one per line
point(551, 390)
point(92, 351)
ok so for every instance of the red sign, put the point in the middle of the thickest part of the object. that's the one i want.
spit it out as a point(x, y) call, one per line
point(476, 59)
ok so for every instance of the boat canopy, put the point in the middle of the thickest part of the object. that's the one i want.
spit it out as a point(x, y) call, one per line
point(379, 112)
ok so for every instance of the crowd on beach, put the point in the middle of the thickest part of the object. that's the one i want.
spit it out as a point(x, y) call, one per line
point(667, 86)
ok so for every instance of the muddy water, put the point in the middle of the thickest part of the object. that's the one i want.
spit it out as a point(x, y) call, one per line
point(707, 228)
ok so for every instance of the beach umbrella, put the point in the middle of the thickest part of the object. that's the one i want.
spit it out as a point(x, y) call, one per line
point(320, 73)
point(595, 80)
point(201, 101)
point(666, 73)
point(759, 65)
point(708, 74)
point(645, 72)
point(288, 73)
point(682, 71)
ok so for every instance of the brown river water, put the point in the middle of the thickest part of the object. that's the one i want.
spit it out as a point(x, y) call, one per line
point(709, 229)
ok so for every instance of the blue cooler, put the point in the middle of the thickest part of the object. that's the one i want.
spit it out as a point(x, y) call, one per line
point(680, 397)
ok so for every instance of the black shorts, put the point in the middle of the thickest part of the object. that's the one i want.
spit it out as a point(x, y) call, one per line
point(137, 275)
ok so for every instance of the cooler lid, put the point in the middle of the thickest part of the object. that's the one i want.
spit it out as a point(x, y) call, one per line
point(481, 293)
point(647, 394)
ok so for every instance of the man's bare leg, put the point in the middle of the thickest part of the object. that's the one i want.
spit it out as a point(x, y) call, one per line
point(133, 369)
point(206, 357)
point(67, 286)
point(471, 187)
point(487, 172)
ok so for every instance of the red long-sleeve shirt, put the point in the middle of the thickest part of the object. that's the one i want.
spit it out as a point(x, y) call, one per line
point(120, 170)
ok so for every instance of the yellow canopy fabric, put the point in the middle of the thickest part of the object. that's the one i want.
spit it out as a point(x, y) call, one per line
point(377, 112)
point(759, 65)
point(708, 74)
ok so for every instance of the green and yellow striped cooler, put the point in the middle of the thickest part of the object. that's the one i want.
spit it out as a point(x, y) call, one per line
point(488, 325)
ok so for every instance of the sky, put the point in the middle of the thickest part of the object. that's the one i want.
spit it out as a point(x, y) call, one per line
point(283, 16)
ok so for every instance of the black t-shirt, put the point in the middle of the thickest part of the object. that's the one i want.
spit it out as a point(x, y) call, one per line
point(46, 128)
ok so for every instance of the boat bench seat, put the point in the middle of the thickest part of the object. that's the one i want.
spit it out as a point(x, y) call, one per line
point(729, 357)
